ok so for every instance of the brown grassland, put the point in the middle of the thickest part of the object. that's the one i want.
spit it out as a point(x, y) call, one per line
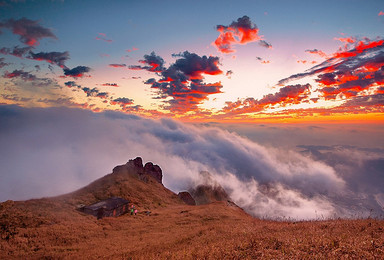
point(52, 228)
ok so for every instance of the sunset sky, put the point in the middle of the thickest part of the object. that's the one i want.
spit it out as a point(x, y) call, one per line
point(281, 101)
point(224, 61)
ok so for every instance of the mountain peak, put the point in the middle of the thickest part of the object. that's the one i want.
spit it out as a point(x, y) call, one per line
point(149, 170)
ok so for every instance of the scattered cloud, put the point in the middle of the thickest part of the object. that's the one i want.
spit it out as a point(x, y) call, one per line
point(133, 49)
point(103, 37)
point(56, 58)
point(90, 92)
point(30, 80)
point(152, 63)
point(26, 76)
point(94, 92)
point(346, 39)
point(114, 65)
point(265, 44)
point(15, 98)
point(263, 61)
point(2, 63)
point(16, 51)
point(30, 32)
point(110, 85)
point(242, 31)
point(317, 52)
point(77, 72)
point(381, 13)
point(122, 102)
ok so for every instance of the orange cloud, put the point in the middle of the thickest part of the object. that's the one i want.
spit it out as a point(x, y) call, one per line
point(242, 31)
point(292, 94)
point(346, 39)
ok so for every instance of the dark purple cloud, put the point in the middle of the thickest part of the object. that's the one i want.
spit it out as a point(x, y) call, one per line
point(30, 79)
point(30, 32)
point(110, 85)
point(183, 80)
point(122, 102)
point(70, 84)
point(151, 62)
point(56, 58)
point(26, 76)
point(117, 65)
point(76, 72)
point(16, 51)
point(94, 92)
point(265, 44)
point(2, 63)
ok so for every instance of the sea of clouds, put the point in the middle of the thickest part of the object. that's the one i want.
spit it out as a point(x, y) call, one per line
point(51, 151)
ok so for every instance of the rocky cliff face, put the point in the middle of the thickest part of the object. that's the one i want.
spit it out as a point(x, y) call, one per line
point(149, 170)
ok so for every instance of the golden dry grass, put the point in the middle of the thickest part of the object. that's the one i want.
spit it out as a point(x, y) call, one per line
point(52, 228)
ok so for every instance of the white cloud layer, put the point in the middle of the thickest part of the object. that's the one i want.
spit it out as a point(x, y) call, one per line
point(47, 152)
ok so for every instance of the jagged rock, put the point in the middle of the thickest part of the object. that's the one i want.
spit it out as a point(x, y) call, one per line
point(154, 171)
point(137, 162)
point(187, 198)
point(143, 171)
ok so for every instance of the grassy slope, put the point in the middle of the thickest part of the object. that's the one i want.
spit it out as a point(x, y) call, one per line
point(51, 227)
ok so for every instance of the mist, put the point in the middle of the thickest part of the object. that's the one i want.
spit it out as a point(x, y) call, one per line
point(51, 151)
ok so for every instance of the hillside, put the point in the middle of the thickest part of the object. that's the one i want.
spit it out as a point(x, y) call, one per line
point(54, 228)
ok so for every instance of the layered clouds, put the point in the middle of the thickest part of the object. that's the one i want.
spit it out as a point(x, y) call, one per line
point(52, 151)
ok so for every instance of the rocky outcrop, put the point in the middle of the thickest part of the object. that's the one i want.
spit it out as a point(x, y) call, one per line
point(154, 171)
point(149, 170)
point(187, 198)
point(205, 194)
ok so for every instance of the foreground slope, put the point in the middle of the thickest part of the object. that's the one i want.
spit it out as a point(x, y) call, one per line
point(53, 228)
